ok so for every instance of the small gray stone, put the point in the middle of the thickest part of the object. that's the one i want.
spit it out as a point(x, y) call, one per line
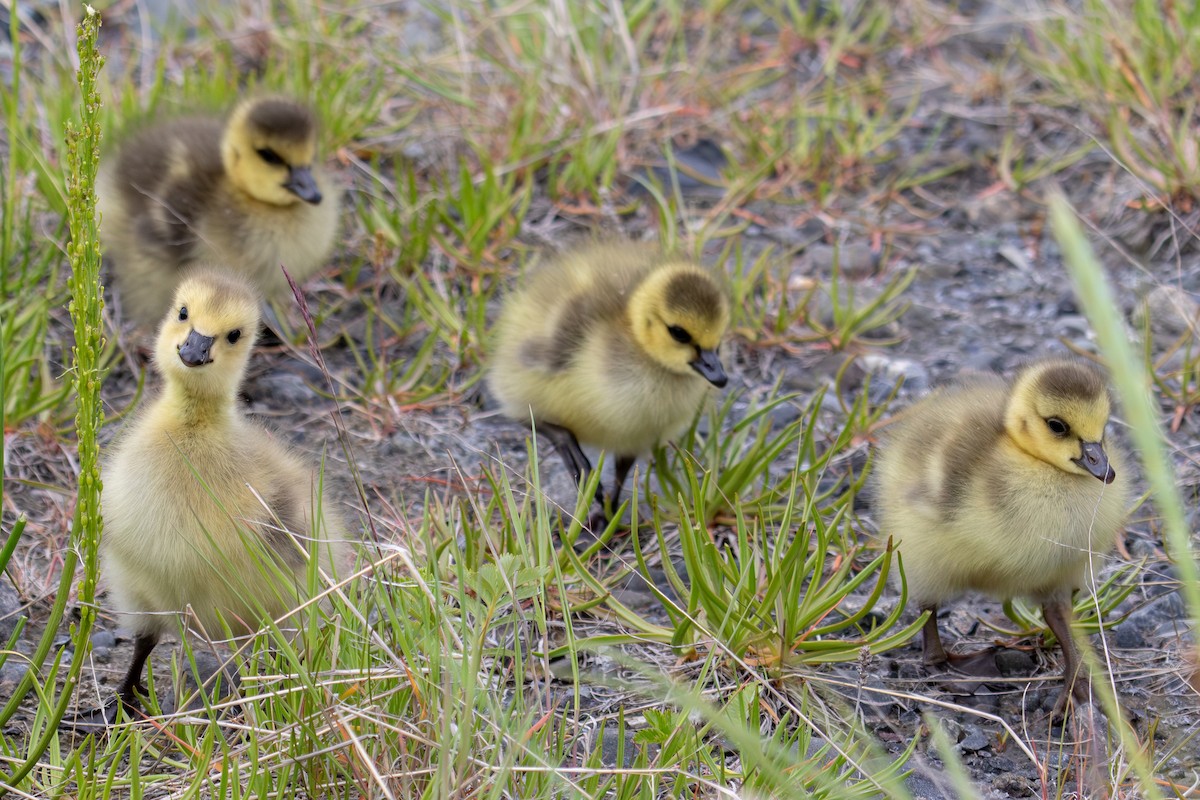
point(104, 639)
point(974, 741)
point(854, 260)
point(10, 609)
point(1014, 662)
point(1072, 326)
point(11, 674)
point(1170, 312)
point(940, 269)
point(611, 749)
point(1010, 784)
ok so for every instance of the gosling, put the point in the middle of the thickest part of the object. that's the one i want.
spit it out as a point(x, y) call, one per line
point(246, 193)
point(1007, 489)
point(203, 509)
point(612, 345)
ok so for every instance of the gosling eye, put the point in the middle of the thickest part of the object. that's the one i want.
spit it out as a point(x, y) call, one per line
point(182, 313)
point(270, 156)
point(679, 334)
point(234, 335)
point(1057, 426)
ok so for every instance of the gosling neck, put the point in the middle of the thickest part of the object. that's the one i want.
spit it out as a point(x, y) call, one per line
point(192, 409)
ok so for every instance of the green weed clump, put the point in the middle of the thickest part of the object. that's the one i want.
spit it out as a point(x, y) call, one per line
point(1131, 66)
point(29, 282)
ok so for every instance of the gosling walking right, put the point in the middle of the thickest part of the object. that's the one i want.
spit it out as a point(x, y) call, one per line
point(1010, 489)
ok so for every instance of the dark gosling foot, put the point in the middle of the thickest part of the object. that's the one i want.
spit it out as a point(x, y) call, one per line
point(104, 717)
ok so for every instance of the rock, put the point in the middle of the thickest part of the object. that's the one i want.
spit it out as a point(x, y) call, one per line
point(206, 674)
point(1010, 784)
point(104, 639)
point(10, 609)
point(854, 260)
point(939, 269)
point(974, 741)
point(103, 643)
point(1170, 313)
point(1072, 326)
point(617, 750)
point(12, 673)
point(922, 787)
point(886, 371)
point(1014, 662)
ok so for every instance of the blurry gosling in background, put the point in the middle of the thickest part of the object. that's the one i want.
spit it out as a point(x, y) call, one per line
point(612, 345)
point(246, 193)
point(202, 507)
point(1007, 489)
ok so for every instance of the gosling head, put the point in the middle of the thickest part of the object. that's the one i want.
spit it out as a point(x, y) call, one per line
point(679, 314)
point(205, 340)
point(268, 150)
point(1057, 413)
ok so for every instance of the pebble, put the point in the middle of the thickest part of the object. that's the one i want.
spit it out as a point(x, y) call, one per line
point(1171, 313)
point(974, 741)
point(1010, 784)
point(10, 609)
point(1014, 662)
point(616, 747)
point(886, 371)
point(12, 673)
point(103, 643)
point(939, 269)
point(285, 387)
point(104, 639)
point(854, 260)
point(1072, 326)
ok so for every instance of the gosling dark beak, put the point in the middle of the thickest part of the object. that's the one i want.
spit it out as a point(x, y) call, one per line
point(197, 350)
point(1095, 461)
point(709, 367)
point(300, 182)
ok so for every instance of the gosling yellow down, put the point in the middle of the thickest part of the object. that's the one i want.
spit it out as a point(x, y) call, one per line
point(1008, 489)
point(245, 192)
point(612, 345)
point(203, 509)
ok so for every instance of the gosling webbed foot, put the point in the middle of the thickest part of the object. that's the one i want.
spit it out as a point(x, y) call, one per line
point(105, 716)
point(1072, 696)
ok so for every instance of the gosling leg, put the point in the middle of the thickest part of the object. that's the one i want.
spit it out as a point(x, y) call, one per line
point(127, 692)
point(132, 686)
point(576, 460)
point(622, 467)
point(931, 639)
point(1075, 684)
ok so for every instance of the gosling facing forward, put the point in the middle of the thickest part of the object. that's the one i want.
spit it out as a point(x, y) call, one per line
point(203, 509)
point(612, 345)
point(246, 193)
point(1008, 489)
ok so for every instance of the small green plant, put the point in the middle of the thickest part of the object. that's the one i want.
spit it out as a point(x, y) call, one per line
point(1176, 373)
point(83, 150)
point(481, 216)
point(400, 222)
point(735, 464)
point(774, 599)
point(847, 319)
point(763, 312)
point(1092, 612)
point(732, 464)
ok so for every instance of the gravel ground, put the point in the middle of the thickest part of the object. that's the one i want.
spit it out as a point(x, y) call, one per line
point(990, 292)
